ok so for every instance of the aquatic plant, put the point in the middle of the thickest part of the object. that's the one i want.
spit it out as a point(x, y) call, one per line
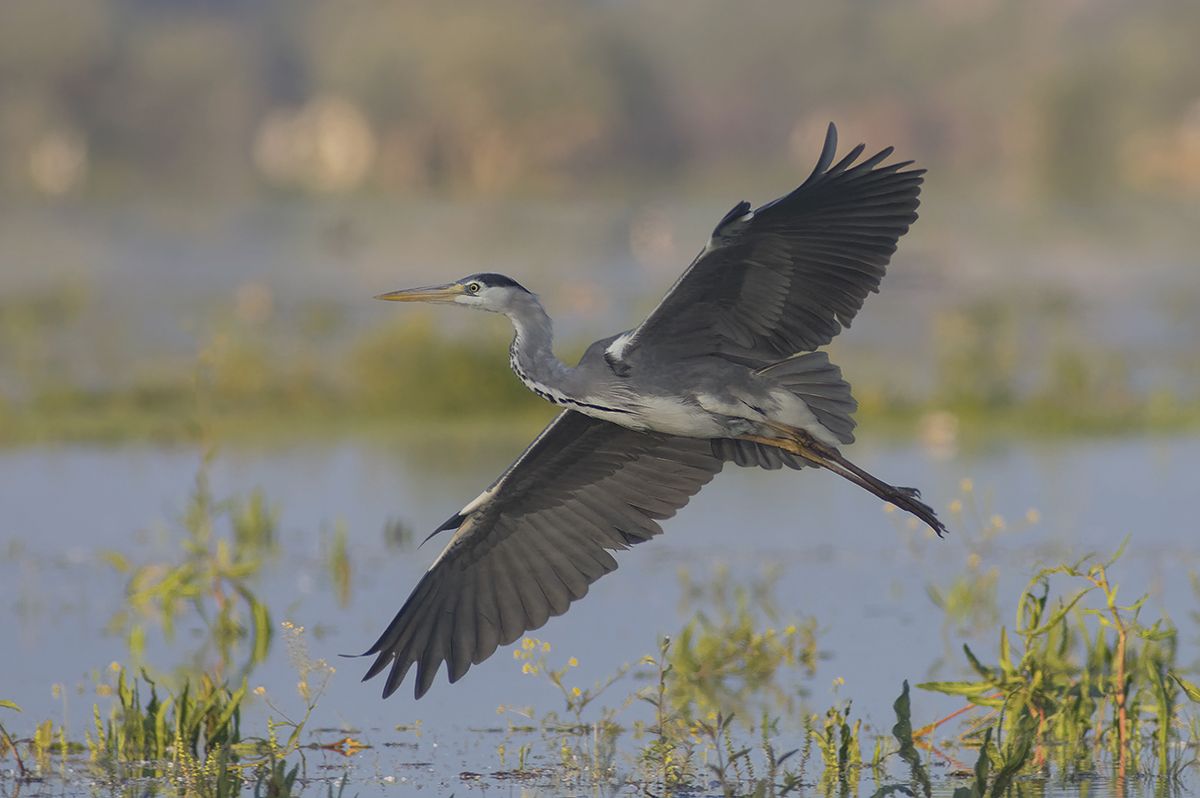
point(212, 580)
point(191, 733)
point(7, 744)
point(193, 722)
point(586, 747)
point(735, 654)
point(1086, 676)
point(838, 743)
point(337, 561)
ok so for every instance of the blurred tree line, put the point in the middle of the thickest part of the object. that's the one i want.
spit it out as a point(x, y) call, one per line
point(1068, 100)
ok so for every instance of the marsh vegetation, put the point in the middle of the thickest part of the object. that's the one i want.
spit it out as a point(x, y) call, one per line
point(1066, 681)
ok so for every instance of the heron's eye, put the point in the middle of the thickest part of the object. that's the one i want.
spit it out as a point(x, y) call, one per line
point(473, 288)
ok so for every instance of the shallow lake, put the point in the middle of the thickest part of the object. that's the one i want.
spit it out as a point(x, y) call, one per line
point(862, 573)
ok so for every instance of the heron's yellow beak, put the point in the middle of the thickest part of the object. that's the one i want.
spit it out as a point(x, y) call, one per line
point(432, 293)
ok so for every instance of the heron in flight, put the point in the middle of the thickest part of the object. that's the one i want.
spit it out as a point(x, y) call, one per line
point(726, 368)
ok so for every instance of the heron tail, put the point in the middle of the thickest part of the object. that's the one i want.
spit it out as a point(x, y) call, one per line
point(819, 384)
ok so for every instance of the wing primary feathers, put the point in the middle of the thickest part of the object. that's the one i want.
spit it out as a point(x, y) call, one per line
point(763, 291)
point(435, 644)
point(487, 625)
point(842, 165)
point(464, 634)
point(508, 600)
point(828, 150)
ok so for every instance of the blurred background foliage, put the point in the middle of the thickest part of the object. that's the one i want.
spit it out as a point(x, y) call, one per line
point(1077, 100)
point(206, 192)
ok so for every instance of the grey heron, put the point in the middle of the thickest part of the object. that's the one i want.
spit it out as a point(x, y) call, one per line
point(726, 368)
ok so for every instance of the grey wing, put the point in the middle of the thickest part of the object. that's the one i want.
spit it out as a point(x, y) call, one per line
point(534, 541)
point(749, 455)
point(786, 278)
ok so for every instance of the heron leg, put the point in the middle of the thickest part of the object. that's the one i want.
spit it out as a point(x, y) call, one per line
point(802, 444)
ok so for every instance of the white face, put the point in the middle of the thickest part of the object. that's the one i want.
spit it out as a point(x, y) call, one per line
point(483, 297)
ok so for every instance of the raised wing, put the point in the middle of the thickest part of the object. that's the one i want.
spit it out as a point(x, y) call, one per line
point(786, 278)
point(534, 541)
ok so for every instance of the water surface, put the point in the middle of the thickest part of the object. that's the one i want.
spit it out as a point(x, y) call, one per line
point(861, 572)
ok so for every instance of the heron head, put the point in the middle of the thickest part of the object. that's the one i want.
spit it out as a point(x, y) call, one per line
point(487, 291)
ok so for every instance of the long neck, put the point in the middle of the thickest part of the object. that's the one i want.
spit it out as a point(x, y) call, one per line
point(531, 354)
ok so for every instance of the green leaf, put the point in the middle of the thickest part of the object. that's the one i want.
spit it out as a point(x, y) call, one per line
point(1193, 692)
point(10, 705)
point(979, 667)
point(1005, 653)
point(234, 703)
point(957, 688)
point(1120, 551)
point(903, 733)
point(982, 764)
point(1016, 752)
point(117, 560)
point(1060, 612)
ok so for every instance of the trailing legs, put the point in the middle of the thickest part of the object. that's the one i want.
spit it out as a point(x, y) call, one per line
point(802, 444)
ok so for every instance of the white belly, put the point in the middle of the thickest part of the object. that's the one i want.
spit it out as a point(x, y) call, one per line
point(675, 417)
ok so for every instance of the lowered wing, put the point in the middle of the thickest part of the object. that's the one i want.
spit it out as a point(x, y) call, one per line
point(534, 541)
